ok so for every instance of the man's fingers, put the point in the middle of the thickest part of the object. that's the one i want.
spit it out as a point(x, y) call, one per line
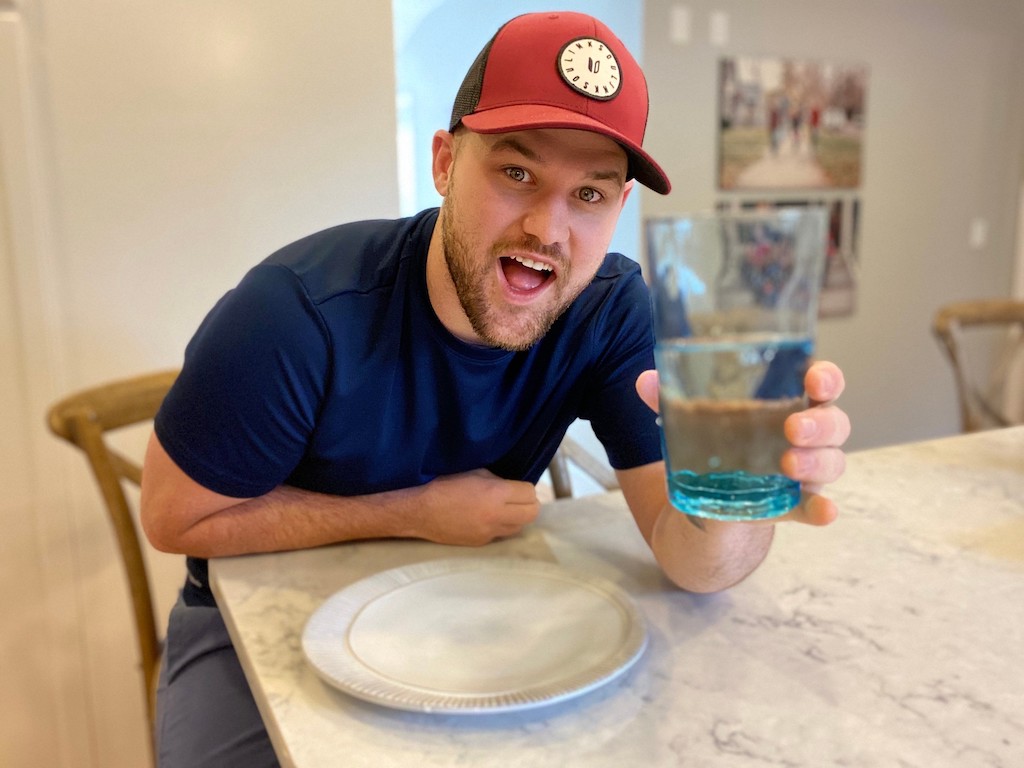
point(824, 382)
point(824, 425)
point(813, 510)
point(814, 465)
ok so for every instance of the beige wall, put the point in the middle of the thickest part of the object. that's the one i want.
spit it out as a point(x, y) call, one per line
point(151, 151)
point(945, 117)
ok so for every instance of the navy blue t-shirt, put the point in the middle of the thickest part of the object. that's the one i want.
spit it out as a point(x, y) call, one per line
point(327, 369)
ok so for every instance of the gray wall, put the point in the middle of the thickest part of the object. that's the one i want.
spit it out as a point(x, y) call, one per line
point(945, 120)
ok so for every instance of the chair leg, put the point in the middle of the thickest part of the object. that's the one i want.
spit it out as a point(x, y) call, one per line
point(560, 480)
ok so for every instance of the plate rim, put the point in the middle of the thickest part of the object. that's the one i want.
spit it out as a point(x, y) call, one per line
point(345, 672)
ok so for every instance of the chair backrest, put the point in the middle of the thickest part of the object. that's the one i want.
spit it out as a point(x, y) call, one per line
point(572, 451)
point(84, 419)
point(980, 394)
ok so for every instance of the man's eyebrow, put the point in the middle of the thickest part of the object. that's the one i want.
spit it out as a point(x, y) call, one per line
point(513, 144)
point(510, 143)
point(610, 175)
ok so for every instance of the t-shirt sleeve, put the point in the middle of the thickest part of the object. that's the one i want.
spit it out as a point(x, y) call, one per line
point(623, 423)
point(240, 415)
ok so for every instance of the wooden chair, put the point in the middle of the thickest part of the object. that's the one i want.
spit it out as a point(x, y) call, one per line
point(980, 394)
point(571, 451)
point(84, 419)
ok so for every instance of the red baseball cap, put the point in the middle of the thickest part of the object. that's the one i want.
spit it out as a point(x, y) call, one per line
point(560, 70)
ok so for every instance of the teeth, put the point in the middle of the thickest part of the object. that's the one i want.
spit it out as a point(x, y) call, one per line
point(533, 264)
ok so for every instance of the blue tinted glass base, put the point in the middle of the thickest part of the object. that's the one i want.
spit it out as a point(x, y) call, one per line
point(733, 495)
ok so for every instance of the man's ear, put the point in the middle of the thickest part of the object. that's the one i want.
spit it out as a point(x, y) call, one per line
point(626, 190)
point(443, 150)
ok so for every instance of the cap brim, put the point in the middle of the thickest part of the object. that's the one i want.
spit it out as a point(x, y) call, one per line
point(642, 166)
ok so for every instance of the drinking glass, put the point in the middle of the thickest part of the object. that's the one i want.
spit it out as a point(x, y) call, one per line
point(735, 304)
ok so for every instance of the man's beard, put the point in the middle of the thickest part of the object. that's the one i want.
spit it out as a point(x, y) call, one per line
point(518, 328)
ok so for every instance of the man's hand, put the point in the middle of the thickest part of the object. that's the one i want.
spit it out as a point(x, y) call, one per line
point(817, 435)
point(474, 508)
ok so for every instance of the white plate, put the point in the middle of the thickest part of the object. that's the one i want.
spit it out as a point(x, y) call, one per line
point(474, 636)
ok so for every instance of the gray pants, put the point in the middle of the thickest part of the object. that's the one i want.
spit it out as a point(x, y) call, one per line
point(205, 714)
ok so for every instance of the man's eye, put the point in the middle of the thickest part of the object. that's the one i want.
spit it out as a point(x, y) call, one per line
point(517, 174)
point(590, 195)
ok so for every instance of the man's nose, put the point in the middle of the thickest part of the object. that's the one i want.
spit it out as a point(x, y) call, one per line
point(548, 220)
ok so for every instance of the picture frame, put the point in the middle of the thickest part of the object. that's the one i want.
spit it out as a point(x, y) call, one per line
point(788, 123)
point(838, 297)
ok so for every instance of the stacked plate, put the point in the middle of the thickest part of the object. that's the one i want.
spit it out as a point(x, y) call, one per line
point(474, 635)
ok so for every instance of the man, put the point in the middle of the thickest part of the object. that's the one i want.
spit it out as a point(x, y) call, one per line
point(413, 378)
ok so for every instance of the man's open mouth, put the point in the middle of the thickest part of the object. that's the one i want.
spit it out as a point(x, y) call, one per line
point(524, 274)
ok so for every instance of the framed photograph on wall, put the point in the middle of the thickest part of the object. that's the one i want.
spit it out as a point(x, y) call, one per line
point(790, 123)
point(839, 282)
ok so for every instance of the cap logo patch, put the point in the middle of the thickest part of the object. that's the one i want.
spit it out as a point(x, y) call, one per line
point(588, 66)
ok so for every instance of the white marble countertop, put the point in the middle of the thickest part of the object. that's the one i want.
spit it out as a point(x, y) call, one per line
point(891, 638)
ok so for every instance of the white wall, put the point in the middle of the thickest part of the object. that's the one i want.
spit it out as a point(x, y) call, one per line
point(943, 146)
point(150, 152)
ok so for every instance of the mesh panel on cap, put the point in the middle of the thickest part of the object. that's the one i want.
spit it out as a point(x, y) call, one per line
point(469, 92)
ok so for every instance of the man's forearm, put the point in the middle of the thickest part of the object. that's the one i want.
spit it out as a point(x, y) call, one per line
point(181, 516)
point(292, 518)
point(696, 554)
point(707, 555)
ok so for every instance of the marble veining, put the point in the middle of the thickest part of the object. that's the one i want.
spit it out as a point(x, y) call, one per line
point(888, 639)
